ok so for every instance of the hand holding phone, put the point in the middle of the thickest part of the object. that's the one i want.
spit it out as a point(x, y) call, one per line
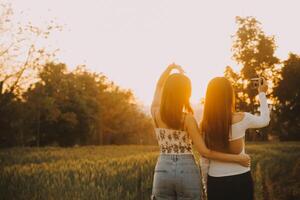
point(260, 84)
point(263, 85)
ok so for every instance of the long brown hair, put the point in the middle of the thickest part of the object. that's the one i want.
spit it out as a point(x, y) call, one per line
point(217, 118)
point(175, 100)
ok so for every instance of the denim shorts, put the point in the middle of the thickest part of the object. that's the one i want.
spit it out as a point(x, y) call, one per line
point(176, 177)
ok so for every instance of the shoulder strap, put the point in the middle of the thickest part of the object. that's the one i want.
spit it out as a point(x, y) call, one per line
point(183, 121)
point(154, 119)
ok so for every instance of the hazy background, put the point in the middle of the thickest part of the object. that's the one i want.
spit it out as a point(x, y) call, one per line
point(132, 41)
point(66, 130)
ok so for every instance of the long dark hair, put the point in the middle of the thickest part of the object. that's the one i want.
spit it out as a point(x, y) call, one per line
point(217, 118)
point(175, 100)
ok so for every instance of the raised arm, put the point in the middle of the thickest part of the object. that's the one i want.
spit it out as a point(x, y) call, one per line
point(198, 141)
point(262, 120)
point(160, 84)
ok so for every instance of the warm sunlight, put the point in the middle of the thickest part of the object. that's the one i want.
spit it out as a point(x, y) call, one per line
point(133, 41)
point(149, 99)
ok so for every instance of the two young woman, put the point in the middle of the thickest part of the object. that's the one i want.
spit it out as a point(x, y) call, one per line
point(176, 173)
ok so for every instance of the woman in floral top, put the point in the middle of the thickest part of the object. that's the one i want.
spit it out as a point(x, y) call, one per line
point(176, 173)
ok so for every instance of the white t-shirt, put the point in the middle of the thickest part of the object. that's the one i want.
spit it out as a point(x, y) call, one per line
point(218, 168)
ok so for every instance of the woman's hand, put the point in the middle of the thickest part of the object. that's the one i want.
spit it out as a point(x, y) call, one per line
point(263, 87)
point(160, 83)
point(245, 160)
point(177, 67)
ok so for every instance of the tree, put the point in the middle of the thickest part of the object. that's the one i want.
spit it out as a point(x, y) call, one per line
point(242, 98)
point(43, 103)
point(287, 93)
point(254, 50)
point(80, 107)
point(124, 122)
point(19, 52)
point(64, 105)
point(19, 57)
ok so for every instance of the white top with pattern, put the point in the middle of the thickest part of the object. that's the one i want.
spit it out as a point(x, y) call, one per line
point(173, 141)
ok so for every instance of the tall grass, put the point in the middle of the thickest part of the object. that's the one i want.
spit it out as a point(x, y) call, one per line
point(126, 172)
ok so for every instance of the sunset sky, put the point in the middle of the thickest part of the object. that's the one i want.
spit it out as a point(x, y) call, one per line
point(132, 41)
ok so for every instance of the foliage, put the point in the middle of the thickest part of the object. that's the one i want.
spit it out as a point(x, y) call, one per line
point(22, 50)
point(287, 93)
point(20, 56)
point(126, 172)
point(242, 100)
point(42, 103)
point(254, 50)
point(276, 170)
point(78, 107)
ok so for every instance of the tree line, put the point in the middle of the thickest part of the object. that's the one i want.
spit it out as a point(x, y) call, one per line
point(42, 102)
point(66, 108)
point(254, 51)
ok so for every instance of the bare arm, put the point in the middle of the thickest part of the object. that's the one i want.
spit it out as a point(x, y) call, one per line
point(160, 84)
point(198, 141)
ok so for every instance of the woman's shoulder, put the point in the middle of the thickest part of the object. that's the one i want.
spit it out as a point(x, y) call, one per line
point(189, 119)
point(239, 114)
point(238, 117)
point(189, 116)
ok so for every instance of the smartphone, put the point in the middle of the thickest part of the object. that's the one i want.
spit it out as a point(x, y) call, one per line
point(255, 82)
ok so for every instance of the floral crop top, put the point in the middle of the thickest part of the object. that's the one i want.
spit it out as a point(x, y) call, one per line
point(173, 141)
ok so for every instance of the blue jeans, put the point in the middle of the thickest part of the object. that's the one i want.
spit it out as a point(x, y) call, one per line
point(176, 177)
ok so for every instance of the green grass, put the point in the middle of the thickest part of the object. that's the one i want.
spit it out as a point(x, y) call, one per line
point(126, 172)
point(276, 170)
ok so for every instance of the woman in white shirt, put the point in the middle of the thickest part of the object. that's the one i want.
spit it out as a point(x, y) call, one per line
point(224, 130)
point(176, 174)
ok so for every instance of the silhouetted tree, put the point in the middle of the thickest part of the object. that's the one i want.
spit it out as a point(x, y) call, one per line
point(19, 57)
point(242, 100)
point(287, 93)
point(80, 107)
point(254, 51)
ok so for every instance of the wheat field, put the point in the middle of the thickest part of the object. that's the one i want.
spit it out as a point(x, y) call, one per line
point(126, 172)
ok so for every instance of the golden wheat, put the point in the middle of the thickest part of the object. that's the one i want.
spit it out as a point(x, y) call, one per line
point(125, 172)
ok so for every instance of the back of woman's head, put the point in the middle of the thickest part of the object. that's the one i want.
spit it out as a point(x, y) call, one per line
point(217, 116)
point(175, 100)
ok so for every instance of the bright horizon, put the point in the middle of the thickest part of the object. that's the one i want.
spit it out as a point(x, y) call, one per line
point(133, 41)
